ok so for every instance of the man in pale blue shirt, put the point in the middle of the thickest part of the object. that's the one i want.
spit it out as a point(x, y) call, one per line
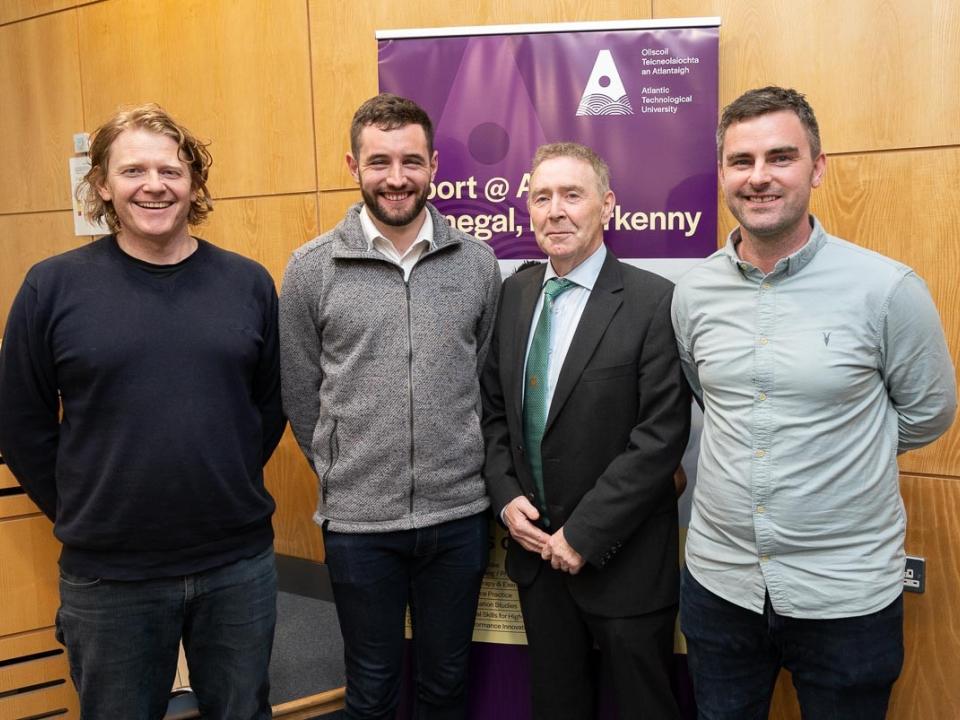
point(816, 362)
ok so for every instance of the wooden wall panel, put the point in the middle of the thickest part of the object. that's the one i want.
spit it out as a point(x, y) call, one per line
point(266, 229)
point(294, 488)
point(334, 205)
point(234, 72)
point(20, 668)
point(345, 64)
point(28, 574)
point(40, 91)
point(24, 241)
point(928, 687)
point(7, 480)
point(880, 75)
point(13, 10)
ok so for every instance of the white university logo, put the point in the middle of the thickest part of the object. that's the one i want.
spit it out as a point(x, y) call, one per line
point(604, 93)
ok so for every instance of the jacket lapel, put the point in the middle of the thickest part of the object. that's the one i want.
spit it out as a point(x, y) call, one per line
point(605, 300)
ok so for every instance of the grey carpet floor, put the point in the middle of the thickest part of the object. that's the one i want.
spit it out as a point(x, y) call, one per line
point(307, 650)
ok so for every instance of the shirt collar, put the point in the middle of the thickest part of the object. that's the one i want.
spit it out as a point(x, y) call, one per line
point(790, 265)
point(585, 274)
point(370, 232)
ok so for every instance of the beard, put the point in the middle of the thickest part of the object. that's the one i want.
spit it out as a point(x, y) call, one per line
point(394, 219)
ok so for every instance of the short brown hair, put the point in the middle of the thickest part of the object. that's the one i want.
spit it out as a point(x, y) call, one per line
point(761, 101)
point(578, 152)
point(389, 112)
point(153, 118)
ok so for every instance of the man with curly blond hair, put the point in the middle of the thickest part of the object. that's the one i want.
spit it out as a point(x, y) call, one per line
point(139, 401)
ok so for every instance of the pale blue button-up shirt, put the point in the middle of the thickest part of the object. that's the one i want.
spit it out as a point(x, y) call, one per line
point(812, 379)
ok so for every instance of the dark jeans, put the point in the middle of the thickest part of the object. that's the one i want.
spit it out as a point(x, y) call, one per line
point(122, 640)
point(437, 570)
point(843, 669)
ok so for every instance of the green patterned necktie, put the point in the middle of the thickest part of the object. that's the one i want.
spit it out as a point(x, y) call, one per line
point(535, 387)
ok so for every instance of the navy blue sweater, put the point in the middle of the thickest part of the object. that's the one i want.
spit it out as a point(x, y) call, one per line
point(170, 388)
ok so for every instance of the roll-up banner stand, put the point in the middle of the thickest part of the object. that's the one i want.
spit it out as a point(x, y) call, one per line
point(644, 95)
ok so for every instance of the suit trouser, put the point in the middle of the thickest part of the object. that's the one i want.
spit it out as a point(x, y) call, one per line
point(636, 652)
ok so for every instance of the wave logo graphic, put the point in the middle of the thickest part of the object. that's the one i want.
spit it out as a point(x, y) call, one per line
point(604, 93)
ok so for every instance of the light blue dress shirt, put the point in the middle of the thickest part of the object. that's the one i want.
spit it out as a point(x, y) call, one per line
point(567, 310)
point(812, 379)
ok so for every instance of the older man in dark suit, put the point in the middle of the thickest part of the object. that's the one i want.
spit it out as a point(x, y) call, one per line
point(586, 419)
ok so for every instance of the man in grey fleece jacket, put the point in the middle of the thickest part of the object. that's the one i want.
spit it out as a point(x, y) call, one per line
point(384, 324)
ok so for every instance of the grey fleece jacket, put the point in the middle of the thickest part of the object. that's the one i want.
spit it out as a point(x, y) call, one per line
point(380, 376)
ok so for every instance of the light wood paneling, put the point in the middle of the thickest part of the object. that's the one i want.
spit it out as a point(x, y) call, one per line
point(28, 574)
point(334, 205)
point(40, 91)
point(17, 672)
point(13, 10)
point(266, 229)
point(879, 75)
point(7, 480)
point(16, 505)
point(24, 241)
point(41, 703)
point(927, 687)
point(237, 73)
point(345, 64)
point(294, 488)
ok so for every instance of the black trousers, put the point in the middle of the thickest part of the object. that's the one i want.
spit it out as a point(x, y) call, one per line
point(636, 654)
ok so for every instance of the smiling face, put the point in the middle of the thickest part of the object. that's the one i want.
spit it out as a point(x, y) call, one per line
point(767, 173)
point(394, 169)
point(568, 211)
point(150, 188)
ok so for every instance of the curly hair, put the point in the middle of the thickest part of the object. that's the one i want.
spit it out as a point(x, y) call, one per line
point(153, 118)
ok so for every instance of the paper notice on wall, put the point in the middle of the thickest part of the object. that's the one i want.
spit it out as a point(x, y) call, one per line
point(79, 166)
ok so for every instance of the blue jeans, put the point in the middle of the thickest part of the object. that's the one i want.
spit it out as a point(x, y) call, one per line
point(843, 669)
point(122, 640)
point(437, 570)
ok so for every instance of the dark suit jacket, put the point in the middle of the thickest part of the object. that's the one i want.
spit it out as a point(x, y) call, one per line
point(616, 431)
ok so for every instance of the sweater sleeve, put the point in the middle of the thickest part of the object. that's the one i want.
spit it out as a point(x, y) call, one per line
point(266, 384)
point(29, 403)
point(300, 360)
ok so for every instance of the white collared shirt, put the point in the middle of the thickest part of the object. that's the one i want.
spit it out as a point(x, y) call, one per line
point(567, 310)
point(408, 259)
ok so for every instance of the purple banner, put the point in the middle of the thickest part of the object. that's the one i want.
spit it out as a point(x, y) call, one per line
point(644, 99)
